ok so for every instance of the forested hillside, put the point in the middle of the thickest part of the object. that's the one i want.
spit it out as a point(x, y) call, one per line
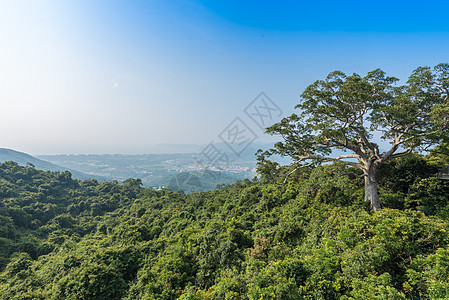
point(25, 159)
point(312, 238)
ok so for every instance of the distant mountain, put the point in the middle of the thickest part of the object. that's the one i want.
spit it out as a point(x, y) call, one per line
point(23, 159)
point(174, 148)
point(247, 154)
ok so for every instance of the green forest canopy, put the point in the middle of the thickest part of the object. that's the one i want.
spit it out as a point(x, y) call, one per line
point(313, 238)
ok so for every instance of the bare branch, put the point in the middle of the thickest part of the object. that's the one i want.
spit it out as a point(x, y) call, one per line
point(363, 138)
point(291, 172)
point(288, 175)
point(414, 136)
point(402, 153)
point(323, 159)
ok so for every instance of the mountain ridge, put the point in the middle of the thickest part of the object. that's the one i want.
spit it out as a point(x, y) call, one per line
point(25, 159)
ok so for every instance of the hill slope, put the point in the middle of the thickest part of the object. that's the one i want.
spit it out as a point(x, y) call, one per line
point(23, 159)
point(313, 238)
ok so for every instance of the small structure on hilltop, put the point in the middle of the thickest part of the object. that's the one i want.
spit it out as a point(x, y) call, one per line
point(444, 173)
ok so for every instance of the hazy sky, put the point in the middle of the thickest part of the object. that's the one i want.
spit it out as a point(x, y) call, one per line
point(119, 76)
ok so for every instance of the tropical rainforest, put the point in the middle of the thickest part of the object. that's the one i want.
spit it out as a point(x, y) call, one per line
point(314, 237)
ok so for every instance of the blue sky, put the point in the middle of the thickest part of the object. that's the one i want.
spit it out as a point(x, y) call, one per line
point(91, 76)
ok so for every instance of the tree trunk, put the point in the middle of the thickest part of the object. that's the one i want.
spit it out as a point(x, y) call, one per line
point(371, 194)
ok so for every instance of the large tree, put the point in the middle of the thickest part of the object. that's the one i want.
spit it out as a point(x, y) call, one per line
point(350, 115)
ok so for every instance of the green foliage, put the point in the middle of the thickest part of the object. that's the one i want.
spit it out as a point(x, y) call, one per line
point(375, 287)
point(429, 275)
point(439, 156)
point(314, 238)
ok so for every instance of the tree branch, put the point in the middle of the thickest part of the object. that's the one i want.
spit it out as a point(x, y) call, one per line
point(402, 153)
point(323, 159)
